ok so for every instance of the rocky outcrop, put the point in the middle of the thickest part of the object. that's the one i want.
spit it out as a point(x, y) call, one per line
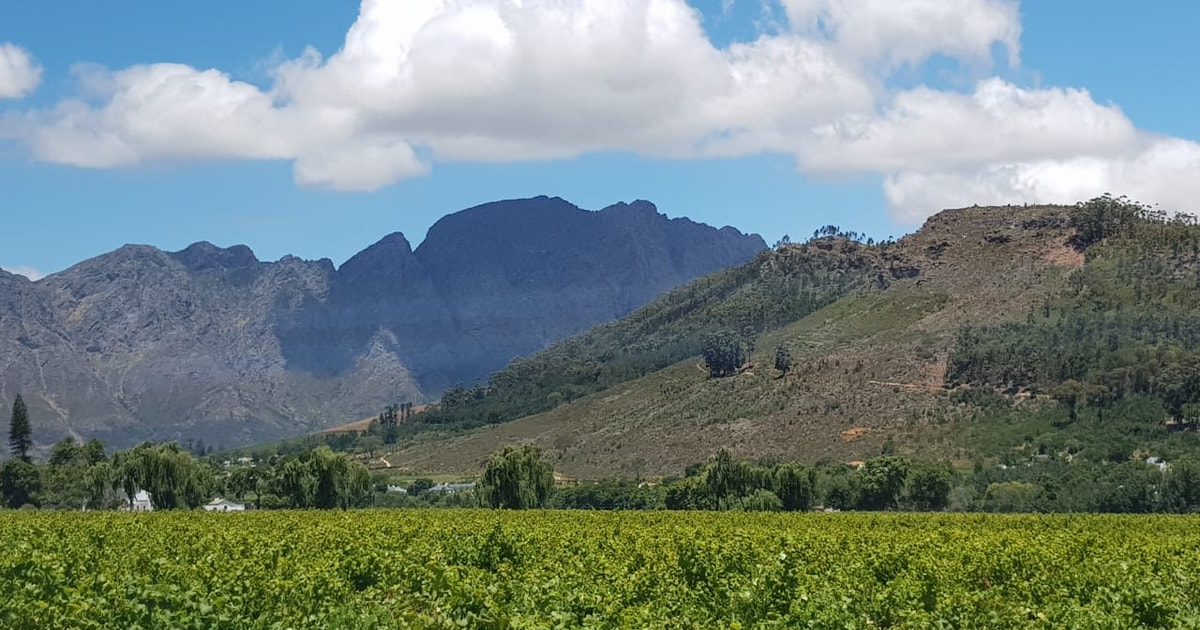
point(210, 343)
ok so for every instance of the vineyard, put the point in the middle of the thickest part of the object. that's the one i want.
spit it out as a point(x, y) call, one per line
point(476, 569)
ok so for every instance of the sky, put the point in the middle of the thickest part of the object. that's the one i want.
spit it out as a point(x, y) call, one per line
point(315, 127)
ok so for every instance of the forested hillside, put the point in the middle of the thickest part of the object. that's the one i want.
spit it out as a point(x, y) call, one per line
point(775, 288)
point(1128, 324)
point(1005, 334)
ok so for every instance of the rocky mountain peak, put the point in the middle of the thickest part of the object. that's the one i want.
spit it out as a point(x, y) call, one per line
point(388, 257)
point(204, 256)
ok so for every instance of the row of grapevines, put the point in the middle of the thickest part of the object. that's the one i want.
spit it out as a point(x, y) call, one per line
point(476, 569)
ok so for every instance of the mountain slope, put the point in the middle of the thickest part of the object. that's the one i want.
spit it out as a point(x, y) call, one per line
point(508, 278)
point(213, 344)
point(869, 366)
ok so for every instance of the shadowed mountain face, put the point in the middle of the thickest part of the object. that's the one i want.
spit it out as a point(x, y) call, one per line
point(213, 344)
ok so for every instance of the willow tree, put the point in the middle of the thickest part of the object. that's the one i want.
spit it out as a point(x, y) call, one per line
point(725, 478)
point(169, 473)
point(517, 478)
point(322, 479)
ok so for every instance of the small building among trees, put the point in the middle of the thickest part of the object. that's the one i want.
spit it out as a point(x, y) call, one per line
point(141, 502)
point(223, 505)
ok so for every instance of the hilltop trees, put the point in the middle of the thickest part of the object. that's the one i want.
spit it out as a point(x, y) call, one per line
point(20, 434)
point(724, 353)
point(517, 478)
point(1105, 217)
point(1180, 385)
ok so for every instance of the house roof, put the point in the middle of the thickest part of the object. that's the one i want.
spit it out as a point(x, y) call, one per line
point(442, 487)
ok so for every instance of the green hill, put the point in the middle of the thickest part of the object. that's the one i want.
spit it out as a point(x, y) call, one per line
point(1003, 333)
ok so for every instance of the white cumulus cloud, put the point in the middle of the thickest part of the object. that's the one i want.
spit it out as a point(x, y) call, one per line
point(418, 81)
point(896, 32)
point(926, 129)
point(1162, 171)
point(19, 73)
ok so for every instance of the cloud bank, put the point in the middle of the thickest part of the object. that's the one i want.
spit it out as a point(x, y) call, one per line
point(19, 73)
point(507, 80)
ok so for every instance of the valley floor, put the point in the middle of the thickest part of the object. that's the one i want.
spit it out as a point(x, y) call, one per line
point(480, 569)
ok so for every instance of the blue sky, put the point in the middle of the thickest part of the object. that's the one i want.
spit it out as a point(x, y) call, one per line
point(863, 123)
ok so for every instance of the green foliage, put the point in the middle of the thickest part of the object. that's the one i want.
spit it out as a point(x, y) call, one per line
point(841, 488)
point(243, 480)
point(724, 353)
point(689, 493)
point(783, 359)
point(1106, 217)
point(481, 569)
point(320, 479)
point(725, 483)
point(20, 483)
point(609, 495)
point(20, 433)
point(726, 478)
point(760, 500)
point(168, 472)
point(928, 487)
point(1012, 496)
point(795, 486)
point(517, 478)
point(1128, 327)
point(76, 476)
point(882, 482)
point(419, 486)
point(1071, 392)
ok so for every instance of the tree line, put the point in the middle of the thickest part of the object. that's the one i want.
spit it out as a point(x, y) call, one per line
point(82, 476)
point(79, 476)
point(881, 483)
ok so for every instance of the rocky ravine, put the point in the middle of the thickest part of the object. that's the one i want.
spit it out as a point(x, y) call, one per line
point(213, 344)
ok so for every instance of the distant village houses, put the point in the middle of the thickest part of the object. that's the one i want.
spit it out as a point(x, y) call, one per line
point(223, 505)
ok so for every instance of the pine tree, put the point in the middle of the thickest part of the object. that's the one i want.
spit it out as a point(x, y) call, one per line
point(20, 438)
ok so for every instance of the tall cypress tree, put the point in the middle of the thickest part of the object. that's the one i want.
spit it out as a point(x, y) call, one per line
point(20, 438)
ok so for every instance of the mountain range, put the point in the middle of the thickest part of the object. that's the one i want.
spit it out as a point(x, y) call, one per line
point(213, 344)
point(992, 334)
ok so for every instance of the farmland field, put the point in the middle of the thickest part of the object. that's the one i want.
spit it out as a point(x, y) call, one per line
point(477, 569)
